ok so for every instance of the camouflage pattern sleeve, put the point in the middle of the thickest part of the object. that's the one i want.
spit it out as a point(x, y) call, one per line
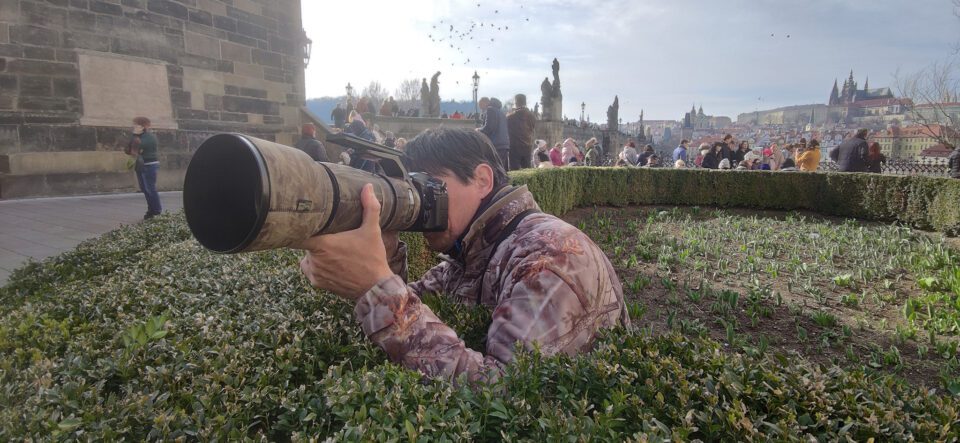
point(555, 297)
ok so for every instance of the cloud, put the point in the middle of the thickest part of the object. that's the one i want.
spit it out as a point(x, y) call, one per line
point(658, 56)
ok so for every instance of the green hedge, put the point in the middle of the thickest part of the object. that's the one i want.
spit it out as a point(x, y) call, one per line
point(922, 202)
point(144, 335)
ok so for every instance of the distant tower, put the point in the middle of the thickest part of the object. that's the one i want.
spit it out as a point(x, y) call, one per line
point(866, 85)
point(834, 95)
point(851, 94)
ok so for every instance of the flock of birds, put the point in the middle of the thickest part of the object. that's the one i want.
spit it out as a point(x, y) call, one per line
point(470, 40)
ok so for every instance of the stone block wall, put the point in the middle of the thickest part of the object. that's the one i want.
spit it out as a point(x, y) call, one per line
point(73, 73)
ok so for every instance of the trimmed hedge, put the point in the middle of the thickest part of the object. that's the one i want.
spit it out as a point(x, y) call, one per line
point(144, 335)
point(921, 202)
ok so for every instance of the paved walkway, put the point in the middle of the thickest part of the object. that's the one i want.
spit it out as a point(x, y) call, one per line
point(44, 227)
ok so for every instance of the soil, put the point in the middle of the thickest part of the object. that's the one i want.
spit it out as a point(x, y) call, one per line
point(858, 340)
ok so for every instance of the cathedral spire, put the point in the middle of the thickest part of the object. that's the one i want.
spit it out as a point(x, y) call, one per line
point(866, 84)
point(834, 94)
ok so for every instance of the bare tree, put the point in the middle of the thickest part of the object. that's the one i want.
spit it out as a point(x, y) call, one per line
point(408, 94)
point(376, 94)
point(935, 91)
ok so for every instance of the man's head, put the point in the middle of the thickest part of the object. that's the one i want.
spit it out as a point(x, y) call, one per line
point(140, 124)
point(308, 129)
point(728, 138)
point(520, 101)
point(684, 142)
point(862, 133)
point(468, 164)
point(483, 103)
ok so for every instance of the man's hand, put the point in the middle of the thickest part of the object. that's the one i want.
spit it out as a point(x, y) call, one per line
point(349, 263)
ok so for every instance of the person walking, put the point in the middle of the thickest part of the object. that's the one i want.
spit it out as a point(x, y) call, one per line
point(851, 155)
point(875, 159)
point(680, 153)
point(308, 143)
point(495, 128)
point(521, 124)
point(143, 147)
point(339, 116)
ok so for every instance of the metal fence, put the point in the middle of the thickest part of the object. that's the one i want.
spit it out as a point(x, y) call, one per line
point(926, 167)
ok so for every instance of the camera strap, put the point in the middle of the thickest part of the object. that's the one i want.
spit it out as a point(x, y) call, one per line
point(506, 232)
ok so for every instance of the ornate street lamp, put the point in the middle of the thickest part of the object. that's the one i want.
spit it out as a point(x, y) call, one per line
point(583, 108)
point(476, 86)
point(307, 49)
point(349, 91)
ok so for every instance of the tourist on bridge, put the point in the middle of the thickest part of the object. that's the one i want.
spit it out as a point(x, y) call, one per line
point(808, 158)
point(629, 153)
point(703, 151)
point(309, 144)
point(541, 156)
point(741, 152)
point(642, 158)
point(852, 154)
point(712, 158)
point(571, 153)
point(556, 156)
point(521, 124)
point(875, 159)
point(495, 128)
point(593, 154)
point(339, 116)
point(680, 153)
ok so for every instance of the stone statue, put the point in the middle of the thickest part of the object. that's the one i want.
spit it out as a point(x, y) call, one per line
point(612, 113)
point(536, 110)
point(552, 98)
point(435, 95)
point(424, 99)
point(546, 99)
point(556, 75)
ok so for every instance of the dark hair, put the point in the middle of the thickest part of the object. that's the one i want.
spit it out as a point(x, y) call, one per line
point(648, 148)
point(862, 133)
point(725, 137)
point(788, 163)
point(684, 141)
point(456, 151)
point(814, 142)
point(142, 121)
point(520, 100)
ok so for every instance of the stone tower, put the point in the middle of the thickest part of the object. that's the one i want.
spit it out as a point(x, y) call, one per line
point(74, 74)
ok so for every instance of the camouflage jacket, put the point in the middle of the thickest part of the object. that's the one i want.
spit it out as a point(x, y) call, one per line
point(546, 283)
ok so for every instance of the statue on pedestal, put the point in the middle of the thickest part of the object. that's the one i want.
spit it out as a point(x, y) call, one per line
point(435, 95)
point(424, 99)
point(612, 113)
point(552, 98)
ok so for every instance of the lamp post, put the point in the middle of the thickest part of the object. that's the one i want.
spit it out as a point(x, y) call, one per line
point(349, 91)
point(476, 86)
point(583, 108)
point(307, 49)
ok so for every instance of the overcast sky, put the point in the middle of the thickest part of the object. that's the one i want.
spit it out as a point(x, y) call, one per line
point(661, 56)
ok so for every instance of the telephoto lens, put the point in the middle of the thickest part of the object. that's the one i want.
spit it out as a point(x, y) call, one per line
point(243, 194)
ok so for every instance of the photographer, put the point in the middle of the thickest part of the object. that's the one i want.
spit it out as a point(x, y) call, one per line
point(545, 281)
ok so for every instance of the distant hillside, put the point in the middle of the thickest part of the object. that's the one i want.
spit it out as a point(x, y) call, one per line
point(323, 106)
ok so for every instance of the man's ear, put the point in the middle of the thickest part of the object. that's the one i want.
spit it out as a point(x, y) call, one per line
point(483, 178)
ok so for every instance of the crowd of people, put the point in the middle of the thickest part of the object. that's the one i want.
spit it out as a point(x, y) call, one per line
point(512, 135)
